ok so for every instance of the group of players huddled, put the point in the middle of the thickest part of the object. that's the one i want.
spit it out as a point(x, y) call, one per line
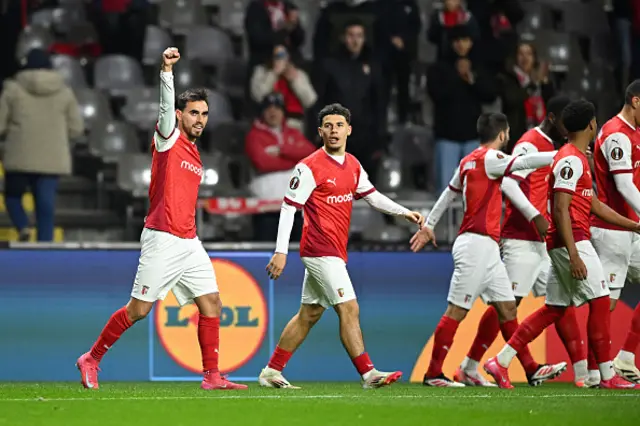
point(557, 240)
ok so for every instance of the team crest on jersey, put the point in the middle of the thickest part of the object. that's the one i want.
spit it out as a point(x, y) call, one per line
point(294, 183)
point(341, 292)
point(604, 286)
point(612, 278)
point(566, 173)
point(145, 289)
point(514, 286)
point(617, 153)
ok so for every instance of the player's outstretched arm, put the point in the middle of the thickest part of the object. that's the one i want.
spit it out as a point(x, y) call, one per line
point(498, 164)
point(562, 219)
point(511, 188)
point(626, 187)
point(167, 110)
point(426, 235)
point(609, 215)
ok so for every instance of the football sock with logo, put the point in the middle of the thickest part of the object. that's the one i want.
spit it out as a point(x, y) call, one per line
point(209, 340)
point(442, 341)
point(117, 324)
point(508, 329)
point(599, 336)
point(569, 332)
point(633, 338)
point(363, 364)
point(488, 330)
point(279, 359)
point(527, 332)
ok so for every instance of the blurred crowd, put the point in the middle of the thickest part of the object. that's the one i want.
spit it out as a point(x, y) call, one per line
point(365, 54)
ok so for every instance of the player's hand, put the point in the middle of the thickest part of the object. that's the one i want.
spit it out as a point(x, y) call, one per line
point(578, 268)
point(276, 265)
point(415, 217)
point(422, 238)
point(542, 225)
point(170, 56)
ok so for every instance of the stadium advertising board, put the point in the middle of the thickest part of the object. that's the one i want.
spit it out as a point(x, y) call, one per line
point(55, 302)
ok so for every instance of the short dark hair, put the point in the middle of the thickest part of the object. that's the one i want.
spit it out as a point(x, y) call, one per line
point(490, 124)
point(633, 90)
point(191, 95)
point(557, 104)
point(577, 115)
point(353, 22)
point(334, 109)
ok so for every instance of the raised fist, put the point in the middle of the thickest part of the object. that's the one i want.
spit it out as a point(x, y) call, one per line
point(170, 56)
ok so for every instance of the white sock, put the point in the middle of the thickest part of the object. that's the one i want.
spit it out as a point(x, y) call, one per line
point(627, 356)
point(580, 371)
point(606, 370)
point(368, 374)
point(469, 364)
point(506, 355)
point(594, 375)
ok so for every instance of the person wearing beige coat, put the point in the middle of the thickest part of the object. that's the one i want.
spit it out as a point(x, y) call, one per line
point(39, 114)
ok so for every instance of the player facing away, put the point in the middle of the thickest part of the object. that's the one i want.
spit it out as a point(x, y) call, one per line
point(576, 275)
point(324, 186)
point(172, 257)
point(524, 253)
point(478, 270)
point(617, 172)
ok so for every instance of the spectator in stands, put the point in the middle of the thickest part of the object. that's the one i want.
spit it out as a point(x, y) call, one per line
point(452, 14)
point(280, 75)
point(458, 86)
point(397, 28)
point(121, 26)
point(38, 115)
point(333, 17)
point(353, 78)
point(524, 88)
point(274, 149)
point(272, 23)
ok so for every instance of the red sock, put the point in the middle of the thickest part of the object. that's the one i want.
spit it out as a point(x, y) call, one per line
point(442, 341)
point(117, 324)
point(591, 360)
point(534, 325)
point(362, 363)
point(633, 338)
point(598, 329)
point(209, 339)
point(279, 359)
point(569, 332)
point(508, 329)
point(488, 330)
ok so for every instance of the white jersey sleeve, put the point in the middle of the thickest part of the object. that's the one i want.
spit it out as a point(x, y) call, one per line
point(567, 173)
point(365, 187)
point(166, 133)
point(497, 163)
point(301, 185)
point(455, 184)
point(616, 148)
point(523, 148)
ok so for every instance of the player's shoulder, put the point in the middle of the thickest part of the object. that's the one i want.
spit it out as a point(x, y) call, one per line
point(490, 154)
point(536, 138)
point(312, 160)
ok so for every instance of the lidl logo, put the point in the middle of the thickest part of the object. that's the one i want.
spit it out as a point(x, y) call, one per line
point(243, 322)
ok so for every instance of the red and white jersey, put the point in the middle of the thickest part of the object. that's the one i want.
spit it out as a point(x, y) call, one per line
point(324, 187)
point(478, 178)
point(571, 174)
point(617, 150)
point(534, 185)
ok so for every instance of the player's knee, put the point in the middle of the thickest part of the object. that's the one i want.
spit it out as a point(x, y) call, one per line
point(518, 300)
point(310, 315)
point(137, 309)
point(455, 312)
point(348, 311)
point(507, 311)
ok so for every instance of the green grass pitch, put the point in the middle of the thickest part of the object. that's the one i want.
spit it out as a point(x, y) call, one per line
point(184, 404)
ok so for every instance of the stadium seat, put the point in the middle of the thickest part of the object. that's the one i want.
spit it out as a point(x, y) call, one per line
point(412, 145)
point(179, 16)
point(156, 40)
point(65, 17)
point(585, 19)
point(386, 233)
point(364, 217)
point(538, 17)
point(228, 137)
point(208, 45)
point(231, 16)
point(70, 69)
point(232, 77)
point(216, 180)
point(82, 34)
point(42, 18)
point(134, 173)
point(188, 74)
point(112, 139)
point(94, 107)
point(219, 109)
point(389, 175)
point(33, 37)
point(142, 107)
point(117, 74)
point(557, 48)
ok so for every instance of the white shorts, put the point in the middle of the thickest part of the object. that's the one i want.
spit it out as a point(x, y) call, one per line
point(326, 282)
point(563, 289)
point(478, 271)
point(527, 264)
point(171, 263)
point(619, 253)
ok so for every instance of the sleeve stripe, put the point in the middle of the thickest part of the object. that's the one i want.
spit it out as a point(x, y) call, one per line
point(454, 189)
point(508, 169)
point(293, 203)
point(565, 190)
point(617, 172)
point(365, 193)
point(163, 136)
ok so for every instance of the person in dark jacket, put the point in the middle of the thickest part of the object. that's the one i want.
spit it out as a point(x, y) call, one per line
point(397, 28)
point(524, 88)
point(353, 78)
point(452, 14)
point(271, 23)
point(458, 87)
